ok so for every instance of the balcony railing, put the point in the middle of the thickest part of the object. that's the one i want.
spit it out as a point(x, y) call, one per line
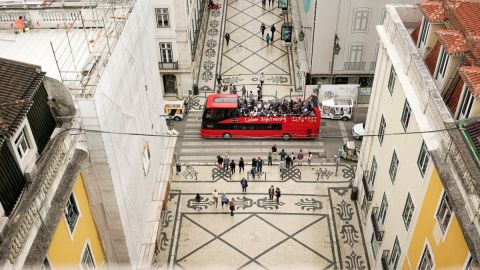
point(384, 260)
point(367, 188)
point(353, 65)
point(373, 65)
point(168, 65)
point(376, 225)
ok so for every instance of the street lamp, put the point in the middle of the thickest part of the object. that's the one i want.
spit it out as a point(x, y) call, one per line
point(336, 51)
point(301, 34)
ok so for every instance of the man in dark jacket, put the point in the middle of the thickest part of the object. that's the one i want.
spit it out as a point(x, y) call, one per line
point(273, 32)
point(244, 184)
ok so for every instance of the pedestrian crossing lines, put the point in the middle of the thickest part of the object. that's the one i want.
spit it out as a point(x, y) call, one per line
point(195, 149)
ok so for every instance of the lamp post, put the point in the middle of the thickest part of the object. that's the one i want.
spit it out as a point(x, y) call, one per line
point(335, 51)
point(291, 90)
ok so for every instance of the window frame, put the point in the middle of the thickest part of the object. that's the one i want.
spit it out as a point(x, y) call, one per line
point(22, 145)
point(382, 212)
point(374, 245)
point(396, 253)
point(373, 171)
point(444, 60)
point(424, 32)
point(381, 129)
point(408, 210)
point(406, 115)
point(160, 15)
point(361, 19)
point(87, 251)
point(391, 80)
point(168, 49)
point(356, 50)
point(467, 103)
point(423, 159)
point(71, 227)
point(426, 250)
point(393, 166)
point(440, 218)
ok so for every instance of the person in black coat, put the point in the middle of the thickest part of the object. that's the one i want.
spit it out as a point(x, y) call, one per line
point(273, 32)
point(241, 165)
point(232, 166)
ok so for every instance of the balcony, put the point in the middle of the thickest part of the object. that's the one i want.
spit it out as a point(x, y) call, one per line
point(366, 187)
point(168, 65)
point(384, 260)
point(373, 65)
point(376, 225)
point(354, 66)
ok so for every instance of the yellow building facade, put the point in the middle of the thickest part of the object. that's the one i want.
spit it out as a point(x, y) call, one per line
point(437, 240)
point(76, 243)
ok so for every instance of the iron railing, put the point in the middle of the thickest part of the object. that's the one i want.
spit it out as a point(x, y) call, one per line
point(376, 225)
point(168, 65)
point(353, 65)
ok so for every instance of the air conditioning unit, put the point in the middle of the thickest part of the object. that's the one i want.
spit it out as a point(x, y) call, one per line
point(30, 173)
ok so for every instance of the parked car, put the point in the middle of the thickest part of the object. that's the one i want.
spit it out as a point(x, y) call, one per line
point(358, 131)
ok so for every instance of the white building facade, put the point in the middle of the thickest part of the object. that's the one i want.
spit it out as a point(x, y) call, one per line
point(178, 36)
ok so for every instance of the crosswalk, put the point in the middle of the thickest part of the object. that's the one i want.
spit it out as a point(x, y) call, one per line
point(195, 149)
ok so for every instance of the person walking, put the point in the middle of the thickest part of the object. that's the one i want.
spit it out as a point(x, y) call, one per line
point(226, 162)
point(270, 159)
point(224, 199)
point(259, 92)
point(300, 157)
point(262, 79)
point(244, 184)
point(227, 37)
point(244, 91)
point(273, 31)
point(262, 29)
point(267, 39)
point(283, 155)
point(278, 194)
point(241, 165)
point(254, 163)
point(288, 161)
point(270, 2)
point(309, 159)
point(274, 151)
point(215, 198)
point(232, 166)
point(219, 79)
point(219, 161)
point(232, 206)
point(259, 164)
point(197, 200)
point(271, 192)
point(264, 2)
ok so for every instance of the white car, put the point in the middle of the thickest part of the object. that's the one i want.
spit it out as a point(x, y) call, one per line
point(358, 131)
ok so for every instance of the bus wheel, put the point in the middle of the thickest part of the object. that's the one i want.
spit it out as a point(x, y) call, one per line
point(177, 118)
point(286, 137)
point(344, 118)
point(227, 136)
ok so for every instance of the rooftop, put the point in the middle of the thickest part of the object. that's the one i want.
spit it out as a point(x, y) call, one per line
point(471, 76)
point(452, 40)
point(433, 11)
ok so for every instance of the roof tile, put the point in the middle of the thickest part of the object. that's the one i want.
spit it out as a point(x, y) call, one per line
point(432, 10)
point(452, 40)
point(471, 76)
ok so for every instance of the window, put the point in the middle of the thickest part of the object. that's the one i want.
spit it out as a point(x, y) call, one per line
point(391, 80)
point(71, 212)
point(407, 111)
point(408, 211)
point(360, 20)
point(423, 158)
point(396, 251)
point(393, 166)
point(426, 262)
point(163, 20)
point(373, 172)
point(381, 130)
point(383, 209)
point(467, 103)
point(87, 259)
point(444, 213)
point(21, 143)
point(424, 33)
point(373, 244)
point(442, 64)
point(356, 53)
point(166, 53)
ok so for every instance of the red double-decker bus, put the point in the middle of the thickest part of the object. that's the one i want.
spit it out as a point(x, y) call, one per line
point(227, 116)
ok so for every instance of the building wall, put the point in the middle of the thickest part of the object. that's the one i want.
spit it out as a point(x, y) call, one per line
point(66, 249)
point(449, 250)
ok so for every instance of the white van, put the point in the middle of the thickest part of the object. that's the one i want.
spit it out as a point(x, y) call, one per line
point(174, 110)
point(337, 108)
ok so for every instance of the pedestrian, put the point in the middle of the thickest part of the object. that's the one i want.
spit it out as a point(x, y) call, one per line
point(270, 159)
point(273, 31)
point(233, 89)
point(227, 37)
point(300, 157)
point(274, 151)
point(244, 184)
point(259, 92)
point(254, 163)
point(219, 161)
point(232, 166)
point(278, 194)
point(259, 164)
point(197, 200)
point(269, 3)
point(262, 28)
point(244, 91)
point(271, 192)
point(288, 161)
point(264, 2)
point(281, 166)
point(251, 94)
point(267, 39)
point(232, 206)
point(224, 199)
point(241, 165)
point(215, 198)
point(253, 172)
point(219, 79)
point(262, 79)
point(226, 162)
point(283, 155)
point(310, 157)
